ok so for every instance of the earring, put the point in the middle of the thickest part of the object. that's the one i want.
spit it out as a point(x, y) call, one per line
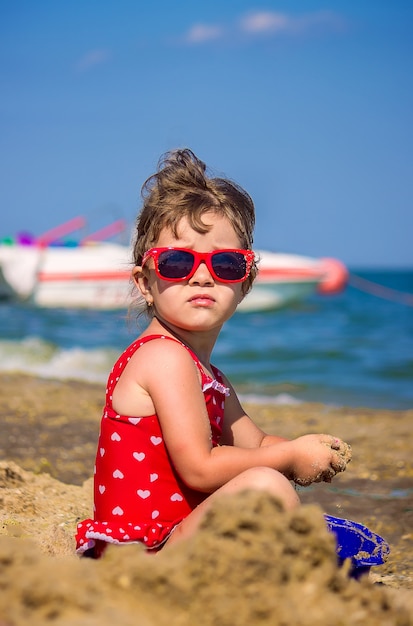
point(149, 303)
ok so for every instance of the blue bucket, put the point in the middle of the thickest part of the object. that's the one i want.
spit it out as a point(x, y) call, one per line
point(358, 543)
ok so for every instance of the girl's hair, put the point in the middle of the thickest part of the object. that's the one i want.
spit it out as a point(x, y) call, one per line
point(181, 187)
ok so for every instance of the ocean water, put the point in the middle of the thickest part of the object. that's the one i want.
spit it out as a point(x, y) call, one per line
point(352, 349)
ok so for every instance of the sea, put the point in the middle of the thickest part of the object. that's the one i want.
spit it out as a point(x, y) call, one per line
point(352, 349)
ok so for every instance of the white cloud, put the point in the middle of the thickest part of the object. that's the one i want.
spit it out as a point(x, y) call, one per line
point(200, 33)
point(266, 24)
point(272, 22)
point(92, 59)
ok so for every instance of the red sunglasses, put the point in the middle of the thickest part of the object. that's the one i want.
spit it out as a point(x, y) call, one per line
point(225, 266)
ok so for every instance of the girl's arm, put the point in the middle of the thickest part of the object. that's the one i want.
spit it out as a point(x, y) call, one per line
point(306, 457)
point(239, 429)
point(167, 374)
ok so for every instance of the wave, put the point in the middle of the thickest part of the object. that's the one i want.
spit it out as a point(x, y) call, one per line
point(279, 399)
point(44, 359)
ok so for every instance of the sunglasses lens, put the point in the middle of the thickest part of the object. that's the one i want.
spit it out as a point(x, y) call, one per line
point(229, 265)
point(175, 264)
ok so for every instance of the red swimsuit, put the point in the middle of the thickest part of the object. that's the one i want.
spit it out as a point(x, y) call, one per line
point(138, 495)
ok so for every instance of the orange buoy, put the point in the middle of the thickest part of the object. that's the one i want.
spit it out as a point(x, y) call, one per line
point(335, 276)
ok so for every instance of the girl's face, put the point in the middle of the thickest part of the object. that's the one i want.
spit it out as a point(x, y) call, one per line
point(200, 302)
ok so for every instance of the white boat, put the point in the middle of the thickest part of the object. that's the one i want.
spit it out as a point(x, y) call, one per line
point(287, 278)
point(97, 276)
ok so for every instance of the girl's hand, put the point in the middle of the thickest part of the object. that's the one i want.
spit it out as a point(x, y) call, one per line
point(318, 458)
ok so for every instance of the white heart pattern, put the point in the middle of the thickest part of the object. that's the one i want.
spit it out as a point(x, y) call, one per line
point(143, 493)
point(156, 440)
point(155, 514)
point(102, 451)
point(102, 488)
point(117, 511)
point(115, 437)
point(176, 497)
point(139, 456)
point(134, 420)
point(153, 477)
point(117, 474)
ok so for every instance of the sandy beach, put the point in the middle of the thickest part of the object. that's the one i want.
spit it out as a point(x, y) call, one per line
point(250, 564)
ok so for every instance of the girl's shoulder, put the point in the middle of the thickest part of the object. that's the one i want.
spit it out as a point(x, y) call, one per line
point(144, 339)
point(157, 348)
point(130, 351)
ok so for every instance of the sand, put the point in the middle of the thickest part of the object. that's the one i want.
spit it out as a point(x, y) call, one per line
point(251, 562)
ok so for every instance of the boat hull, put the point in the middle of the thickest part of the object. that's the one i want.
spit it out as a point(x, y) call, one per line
point(97, 276)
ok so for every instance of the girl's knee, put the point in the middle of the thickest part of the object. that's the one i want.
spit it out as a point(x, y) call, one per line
point(272, 481)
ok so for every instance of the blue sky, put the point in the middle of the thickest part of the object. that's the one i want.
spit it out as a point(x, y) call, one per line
point(308, 105)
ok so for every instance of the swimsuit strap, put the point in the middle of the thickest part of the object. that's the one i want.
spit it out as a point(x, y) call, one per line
point(151, 337)
point(125, 357)
point(207, 380)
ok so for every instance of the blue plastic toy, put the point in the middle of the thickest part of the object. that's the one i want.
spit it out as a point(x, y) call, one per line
point(358, 543)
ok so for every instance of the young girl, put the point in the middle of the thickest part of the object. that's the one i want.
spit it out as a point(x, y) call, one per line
point(174, 436)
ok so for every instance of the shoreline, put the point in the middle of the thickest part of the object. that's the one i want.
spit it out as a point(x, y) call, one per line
point(47, 450)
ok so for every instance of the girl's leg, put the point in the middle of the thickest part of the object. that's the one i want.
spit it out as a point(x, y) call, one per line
point(257, 478)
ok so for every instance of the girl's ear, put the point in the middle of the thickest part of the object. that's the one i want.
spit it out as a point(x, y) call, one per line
point(142, 283)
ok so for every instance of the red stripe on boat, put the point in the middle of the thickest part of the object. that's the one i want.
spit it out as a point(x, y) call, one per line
point(96, 276)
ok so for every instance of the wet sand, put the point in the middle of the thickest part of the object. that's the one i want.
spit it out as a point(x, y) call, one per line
point(250, 564)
